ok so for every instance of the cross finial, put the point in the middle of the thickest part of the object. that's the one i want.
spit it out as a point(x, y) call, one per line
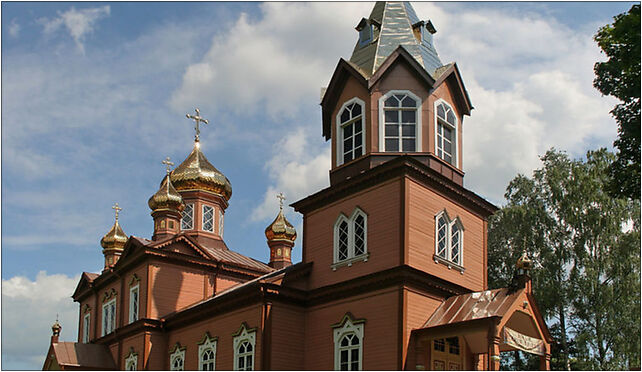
point(281, 198)
point(117, 209)
point(198, 119)
point(167, 163)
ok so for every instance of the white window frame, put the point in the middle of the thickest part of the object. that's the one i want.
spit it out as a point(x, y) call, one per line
point(382, 121)
point(191, 225)
point(179, 352)
point(208, 344)
point(221, 219)
point(250, 337)
point(455, 144)
point(86, 324)
point(109, 317)
point(131, 360)
point(203, 217)
point(347, 326)
point(134, 290)
point(339, 128)
point(352, 257)
point(449, 224)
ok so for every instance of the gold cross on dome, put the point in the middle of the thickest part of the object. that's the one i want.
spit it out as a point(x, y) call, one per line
point(167, 163)
point(198, 119)
point(117, 209)
point(281, 198)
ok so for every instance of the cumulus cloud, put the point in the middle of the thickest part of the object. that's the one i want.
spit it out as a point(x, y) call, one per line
point(14, 28)
point(77, 22)
point(29, 308)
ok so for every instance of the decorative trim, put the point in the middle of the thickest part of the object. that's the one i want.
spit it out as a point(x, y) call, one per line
point(132, 357)
point(455, 143)
point(207, 343)
point(348, 327)
point(382, 122)
point(339, 134)
point(86, 308)
point(175, 353)
point(109, 294)
point(135, 280)
point(448, 241)
point(351, 256)
point(240, 337)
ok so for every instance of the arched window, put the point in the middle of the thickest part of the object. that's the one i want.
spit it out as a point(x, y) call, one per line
point(207, 353)
point(131, 362)
point(446, 132)
point(350, 238)
point(348, 344)
point(244, 343)
point(449, 241)
point(177, 359)
point(400, 115)
point(350, 131)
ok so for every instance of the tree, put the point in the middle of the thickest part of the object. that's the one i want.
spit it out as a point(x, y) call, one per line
point(587, 267)
point(619, 77)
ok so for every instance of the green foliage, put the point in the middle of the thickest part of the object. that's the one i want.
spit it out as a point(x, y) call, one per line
point(586, 279)
point(619, 77)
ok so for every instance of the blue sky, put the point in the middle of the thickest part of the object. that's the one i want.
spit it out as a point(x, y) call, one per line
point(94, 97)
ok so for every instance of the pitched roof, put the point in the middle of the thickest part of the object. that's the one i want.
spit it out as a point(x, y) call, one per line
point(229, 256)
point(84, 356)
point(396, 21)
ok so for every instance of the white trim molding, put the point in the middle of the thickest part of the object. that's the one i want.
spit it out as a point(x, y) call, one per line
point(188, 211)
point(109, 317)
point(449, 249)
point(86, 325)
point(131, 362)
point(382, 120)
point(244, 347)
point(134, 303)
point(339, 131)
point(350, 236)
point(348, 336)
point(207, 353)
point(177, 358)
point(455, 142)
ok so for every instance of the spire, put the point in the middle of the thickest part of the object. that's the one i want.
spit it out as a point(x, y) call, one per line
point(390, 25)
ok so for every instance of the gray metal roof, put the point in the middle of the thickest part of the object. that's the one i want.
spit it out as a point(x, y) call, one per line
point(396, 20)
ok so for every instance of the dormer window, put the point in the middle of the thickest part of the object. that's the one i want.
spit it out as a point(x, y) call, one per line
point(423, 31)
point(366, 32)
point(446, 133)
point(351, 131)
point(401, 122)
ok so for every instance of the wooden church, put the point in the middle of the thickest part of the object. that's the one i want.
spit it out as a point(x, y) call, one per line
point(393, 272)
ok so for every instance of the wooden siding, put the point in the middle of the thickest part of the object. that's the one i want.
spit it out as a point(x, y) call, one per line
point(158, 352)
point(137, 343)
point(287, 345)
point(380, 311)
point(174, 287)
point(423, 205)
point(419, 307)
point(223, 283)
point(382, 204)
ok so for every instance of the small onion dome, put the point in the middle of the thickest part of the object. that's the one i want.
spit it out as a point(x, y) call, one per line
point(196, 173)
point(524, 262)
point(56, 327)
point(280, 229)
point(166, 198)
point(115, 238)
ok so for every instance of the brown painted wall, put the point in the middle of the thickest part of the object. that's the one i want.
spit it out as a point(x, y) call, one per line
point(141, 273)
point(423, 205)
point(445, 92)
point(158, 358)
point(136, 342)
point(223, 327)
point(380, 309)
point(419, 307)
point(288, 337)
point(382, 204)
point(174, 287)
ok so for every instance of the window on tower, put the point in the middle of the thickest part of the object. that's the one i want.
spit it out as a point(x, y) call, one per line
point(449, 237)
point(350, 239)
point(348, 345)
point(446, 136)
point(208, 218)
point(220, 223)
point(401, 122)
point(350, 131)
point(187, 220)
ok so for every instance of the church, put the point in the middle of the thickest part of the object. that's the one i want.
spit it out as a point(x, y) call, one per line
point(393, 273)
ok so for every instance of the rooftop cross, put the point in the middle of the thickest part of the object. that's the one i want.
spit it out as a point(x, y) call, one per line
point(198, 119)
point(117, 209)
point(167, 163)
point(281, 198)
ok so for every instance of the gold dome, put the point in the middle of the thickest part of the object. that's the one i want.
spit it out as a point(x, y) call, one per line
point(115, 238)
point(166, 197)
point(196, 173)
point(524, 262)
point(280, 229)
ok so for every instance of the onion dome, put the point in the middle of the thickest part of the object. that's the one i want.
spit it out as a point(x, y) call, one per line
point(196, 173)
point(56, 327)
point(115, 238)
point(524, 262)
point(166, 197)
point(280, 229)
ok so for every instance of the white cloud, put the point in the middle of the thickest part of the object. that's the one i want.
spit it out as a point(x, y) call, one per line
point(77, 22)
point(28, 311)
point(14, 28)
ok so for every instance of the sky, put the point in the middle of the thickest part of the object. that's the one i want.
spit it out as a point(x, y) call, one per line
point(94, 97)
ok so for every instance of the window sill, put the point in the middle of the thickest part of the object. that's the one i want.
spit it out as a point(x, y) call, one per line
point(451, 265)
point(349, 261)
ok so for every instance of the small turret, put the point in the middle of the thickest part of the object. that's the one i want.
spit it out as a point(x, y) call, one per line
point(166, 205)
point(280, 236)
point(55, 331)
point(522, 276)
point(114, 241)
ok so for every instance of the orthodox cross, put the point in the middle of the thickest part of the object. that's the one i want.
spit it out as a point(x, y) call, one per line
point(198, 119)
point(117, 209)
point(167, 163)
point(281, 198)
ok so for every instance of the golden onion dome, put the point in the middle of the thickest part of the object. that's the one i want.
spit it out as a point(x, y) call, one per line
point(196, 173)
point(56, 327)
point(524, 262)
point(166, 197)
point(280, 229)
point(115, 238)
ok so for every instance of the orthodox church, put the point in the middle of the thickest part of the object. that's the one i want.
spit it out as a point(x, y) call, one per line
point(394, 263)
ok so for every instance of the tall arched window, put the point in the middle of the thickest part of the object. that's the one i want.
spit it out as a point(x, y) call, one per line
point(350, 238)
point(449, 241)
point(350, 131)
point(131, 362)
point(446, 132)
point(348, 344)
point(244, 343)
point(400, 122)
point(177, 358)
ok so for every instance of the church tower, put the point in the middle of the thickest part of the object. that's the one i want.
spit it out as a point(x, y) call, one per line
point(280, 236)
point(166, 205)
